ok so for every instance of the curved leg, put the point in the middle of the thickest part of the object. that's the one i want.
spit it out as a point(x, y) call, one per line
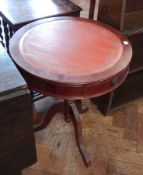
point(57, 107)
point(80, 107)
point(78, 134)
point(66, 111)
point(71, 113)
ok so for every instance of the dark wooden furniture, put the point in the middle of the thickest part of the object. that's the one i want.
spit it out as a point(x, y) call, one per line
point(92, 9)
point(126, 16)
point(84, 67)
point(16, 13)
point(17, 144)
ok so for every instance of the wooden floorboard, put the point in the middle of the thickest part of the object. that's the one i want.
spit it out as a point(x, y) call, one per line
point(112, 153)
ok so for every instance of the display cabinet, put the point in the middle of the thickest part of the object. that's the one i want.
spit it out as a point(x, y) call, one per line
point(126, 16)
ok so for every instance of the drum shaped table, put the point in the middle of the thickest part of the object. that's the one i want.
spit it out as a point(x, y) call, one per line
point(71, 59)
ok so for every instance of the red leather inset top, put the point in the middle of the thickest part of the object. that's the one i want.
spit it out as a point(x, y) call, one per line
point(70, 50)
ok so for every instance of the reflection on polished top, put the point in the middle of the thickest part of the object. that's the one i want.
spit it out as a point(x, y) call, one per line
point(71, 48)
point(58, 46)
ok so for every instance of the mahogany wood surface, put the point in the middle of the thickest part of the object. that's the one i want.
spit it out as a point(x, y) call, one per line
point(132, 6)
point(83, 67)
point(71, 111)
point(126, 16)
point(110, 12)
point(62, 67)
point(18, 12)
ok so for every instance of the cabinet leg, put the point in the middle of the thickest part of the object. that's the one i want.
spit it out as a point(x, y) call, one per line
point(80, 107)
point(111, 95)
point(92, 9)
point(104, 102)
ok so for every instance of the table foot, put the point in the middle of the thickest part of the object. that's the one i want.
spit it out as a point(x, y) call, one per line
point(55, 108)
point(78, 134)
point(80, 107)
point(71, 113)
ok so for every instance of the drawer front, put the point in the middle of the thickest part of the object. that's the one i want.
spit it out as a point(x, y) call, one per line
point(134, 5)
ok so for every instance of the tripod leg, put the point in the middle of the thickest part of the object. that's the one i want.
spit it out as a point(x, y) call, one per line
point(78, 134)
point(55, 108)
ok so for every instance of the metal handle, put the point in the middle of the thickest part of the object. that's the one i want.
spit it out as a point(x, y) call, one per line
point(115, 81)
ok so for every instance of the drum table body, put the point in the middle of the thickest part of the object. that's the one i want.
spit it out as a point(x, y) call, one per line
point(71, 59)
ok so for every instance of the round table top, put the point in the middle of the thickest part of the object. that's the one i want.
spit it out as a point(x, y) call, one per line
point(70, 50)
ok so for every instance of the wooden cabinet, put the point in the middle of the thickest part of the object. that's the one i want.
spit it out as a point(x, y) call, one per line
point(15, 14)
point(17, 144)
point(126, 16)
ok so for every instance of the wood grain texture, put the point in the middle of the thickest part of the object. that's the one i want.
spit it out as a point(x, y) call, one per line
point(33, 10)
point(61, 72)
point(111, 152)
point(129, 117)
point(140, 132)
point(15, 14)
point(68, 59)
point(95, 125)
point(126, 15)
point(111, 12)
point(132, 6)
point(133, 21)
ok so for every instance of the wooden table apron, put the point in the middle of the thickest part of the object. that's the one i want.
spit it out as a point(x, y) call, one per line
point(71, 58)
